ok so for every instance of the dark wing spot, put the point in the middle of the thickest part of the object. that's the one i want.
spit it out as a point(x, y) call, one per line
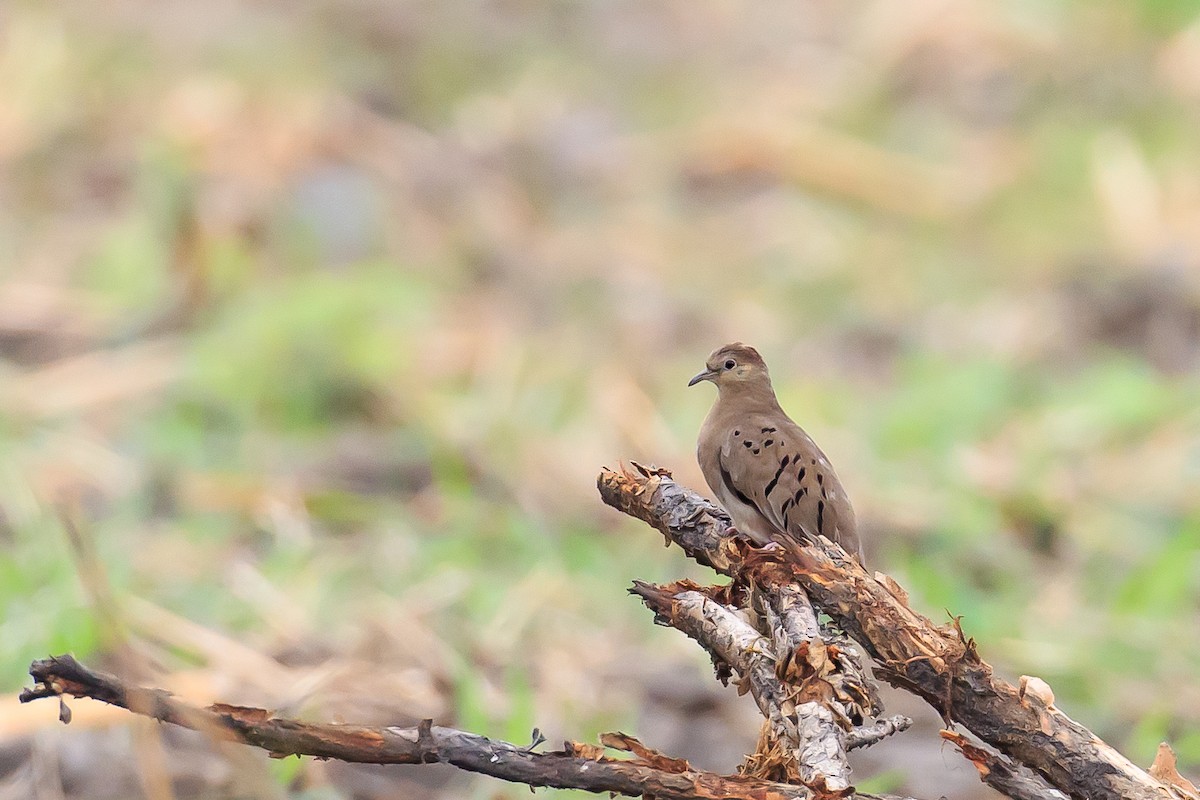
point(756, 451)
point(813, 462)
point(800, 474)
point(803, 490)
point(737, 433)
point(775, 481)
point(768, 442)
point(727, 479)
point(748, 444)
point(821, 517)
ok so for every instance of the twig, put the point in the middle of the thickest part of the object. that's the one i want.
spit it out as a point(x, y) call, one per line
point(937, 663)
point(576, 766)
point(877, 731)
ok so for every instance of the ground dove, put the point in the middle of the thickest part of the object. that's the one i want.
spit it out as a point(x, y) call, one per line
point(769, 475)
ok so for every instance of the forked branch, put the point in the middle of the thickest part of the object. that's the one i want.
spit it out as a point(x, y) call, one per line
point(935, 662)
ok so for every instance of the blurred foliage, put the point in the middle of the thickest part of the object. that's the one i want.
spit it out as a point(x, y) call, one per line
point(326, 315)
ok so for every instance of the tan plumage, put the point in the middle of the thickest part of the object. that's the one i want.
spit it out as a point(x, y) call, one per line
point(765, 470)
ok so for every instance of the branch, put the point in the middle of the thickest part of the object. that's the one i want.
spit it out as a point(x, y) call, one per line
point(877, 731)
point(814, 674)
point(937, 663)
point(797, 635)
point(577, 766)
point(1017, 781)
point(803, 723)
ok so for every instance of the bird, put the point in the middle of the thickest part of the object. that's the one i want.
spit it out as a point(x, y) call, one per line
point(772, 478)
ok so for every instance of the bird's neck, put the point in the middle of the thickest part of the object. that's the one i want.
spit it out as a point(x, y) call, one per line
point(749, 397)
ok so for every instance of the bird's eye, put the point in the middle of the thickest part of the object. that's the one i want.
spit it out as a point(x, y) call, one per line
point(730, 364)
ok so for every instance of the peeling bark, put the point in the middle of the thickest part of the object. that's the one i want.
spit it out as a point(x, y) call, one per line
point(576, 766)
point(809, 729)
point(877, 731)
point(935, 662)
point(797, 634)
point(1014, 780)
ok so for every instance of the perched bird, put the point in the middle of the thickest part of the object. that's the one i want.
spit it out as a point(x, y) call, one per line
point(765, 470)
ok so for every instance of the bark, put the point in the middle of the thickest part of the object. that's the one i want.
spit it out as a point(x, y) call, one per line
point(1014, 780)
point(576, 766)
point(936, 662)
point(877, 731)
point(796, 634)
point(808, 728)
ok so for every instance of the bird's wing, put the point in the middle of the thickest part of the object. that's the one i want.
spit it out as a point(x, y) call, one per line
point(773, 465)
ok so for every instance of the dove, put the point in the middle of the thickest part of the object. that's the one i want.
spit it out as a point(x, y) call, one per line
point(765, 470)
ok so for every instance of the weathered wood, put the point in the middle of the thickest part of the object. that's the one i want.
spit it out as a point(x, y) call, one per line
point(576, 766)
point(797, 634)
point(936, 662)
point(1016, 781)
point(877, 731)
point(807, 725)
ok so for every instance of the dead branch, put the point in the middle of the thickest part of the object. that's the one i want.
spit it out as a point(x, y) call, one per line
point(807, 726)
point(936, 662)
point(576, 766)
point(1017, 781)
point(796, 634)
point(877, 731)
point(815, 681)
point(798, 648)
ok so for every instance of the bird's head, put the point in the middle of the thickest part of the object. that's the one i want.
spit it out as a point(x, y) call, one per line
point(734, 365)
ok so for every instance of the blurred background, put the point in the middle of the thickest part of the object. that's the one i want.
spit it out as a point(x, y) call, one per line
point(318, 319)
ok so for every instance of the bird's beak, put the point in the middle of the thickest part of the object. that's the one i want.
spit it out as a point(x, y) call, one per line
point(707, 375)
